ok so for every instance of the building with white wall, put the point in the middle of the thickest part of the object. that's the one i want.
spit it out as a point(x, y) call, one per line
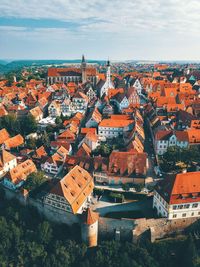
point(113, 128)
point(72, 193)
point(108, 83)
point(138, 86)
point(178, 197)
point(168, 138)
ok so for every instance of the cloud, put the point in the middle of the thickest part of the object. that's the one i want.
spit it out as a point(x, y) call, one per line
point(121, 29)
point(113, 15)
point(12, 28)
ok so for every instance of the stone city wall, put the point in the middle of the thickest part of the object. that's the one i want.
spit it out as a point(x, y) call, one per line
point(120, 229)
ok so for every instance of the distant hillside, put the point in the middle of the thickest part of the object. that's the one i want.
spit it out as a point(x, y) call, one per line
point(3, 62)
point(6, 67)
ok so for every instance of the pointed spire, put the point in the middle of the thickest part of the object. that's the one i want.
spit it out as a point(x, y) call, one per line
point(83, 59)
point(108, 63)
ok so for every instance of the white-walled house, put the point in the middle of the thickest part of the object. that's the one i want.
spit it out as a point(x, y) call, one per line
point(138, 86)
point(168, 138)
point(90, 93)
point(113, 128)
point(91, 140)
point(120, 100)
point(54, 164)
point(80, 102)
point(178, 197)
point(54, 109)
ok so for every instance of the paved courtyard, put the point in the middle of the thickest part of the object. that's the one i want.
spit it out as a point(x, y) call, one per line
point(103, 206)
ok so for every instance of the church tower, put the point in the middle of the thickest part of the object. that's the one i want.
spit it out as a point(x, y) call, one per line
point(108, 83)
point(89, 228)
point(83, 70)
point(108, 73)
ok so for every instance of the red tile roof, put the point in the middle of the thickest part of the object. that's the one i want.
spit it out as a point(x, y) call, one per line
point(115, 123)
point(4, 135)
point(21, 171)
point(86, 130)
point(194, 135)
point(5, 157)
point(182, 188)
point(75, 187)
point(128, 163)
point(90, 217)
point(13, 142)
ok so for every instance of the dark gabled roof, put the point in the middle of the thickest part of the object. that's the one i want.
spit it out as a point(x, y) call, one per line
point(119, 97)
point(184, 116)
point(100, 84)
point(164, 187)
point(196, 87)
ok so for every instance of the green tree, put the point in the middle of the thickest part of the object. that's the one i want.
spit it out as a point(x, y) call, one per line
point(190, 255)
point(31, 143)
point(2, 194)
point(28, 125)
point(138, 187)
point(125, 187)
point(34, 180)
point(176, 159)
point(10, 78)
point(44, 232)
point(58, 120)
point(11, 123)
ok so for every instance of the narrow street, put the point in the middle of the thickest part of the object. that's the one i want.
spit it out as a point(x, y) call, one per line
point(148, 148)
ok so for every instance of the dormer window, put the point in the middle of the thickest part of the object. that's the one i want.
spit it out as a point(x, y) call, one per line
point(72, 193)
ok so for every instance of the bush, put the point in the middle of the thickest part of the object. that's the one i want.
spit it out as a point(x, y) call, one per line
point(35, 180)
point(138, 187)
point(98, 191)
point(116, 197)
point(126, 187)
point(2, 193)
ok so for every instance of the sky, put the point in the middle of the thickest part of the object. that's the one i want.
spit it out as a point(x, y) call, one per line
point(118, 29)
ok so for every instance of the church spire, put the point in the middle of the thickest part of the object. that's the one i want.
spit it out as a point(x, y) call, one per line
point(83, 69)
point(108, 74)
point(83, 59)
point(108, 83)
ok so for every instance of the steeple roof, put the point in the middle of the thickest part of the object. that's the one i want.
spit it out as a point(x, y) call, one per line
point(90, 217)
point(108, 63)
point(83, 59)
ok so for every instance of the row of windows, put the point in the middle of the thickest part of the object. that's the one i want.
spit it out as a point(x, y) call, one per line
point(185, 206)
point(185, 215)
point(161, 199)
point(114, 133)
point(162, 146)
point(111, 128)
point(58, 205)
